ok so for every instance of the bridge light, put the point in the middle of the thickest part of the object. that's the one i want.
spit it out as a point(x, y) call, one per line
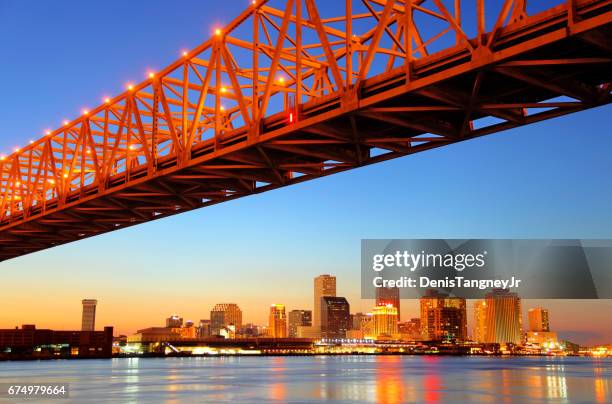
point(65, 123)
point(2, 157)
point(185, 53)
point(254, 2)
point(291, 117)
point(18, 183)
point(51, 181)
point(223, 90)
point(218, 32)
point(31, 142)
point(85, 112)
point(222, 108)
point(130, 87)
point(281, 80)
point(48, 132)
point(65, 175)
point(16, 149)
point(106, 100)
point(151, 75)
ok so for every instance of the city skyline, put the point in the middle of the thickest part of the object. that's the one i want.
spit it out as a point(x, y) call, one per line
point(196, 260)
point(226, 318)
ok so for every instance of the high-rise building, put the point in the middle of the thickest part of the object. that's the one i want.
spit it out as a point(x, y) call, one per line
point(174, 321)
point(538, 320)
point(324, 285)
point(299, 318)
point(88, 320)
point(480, 321)
point(443, 317)
point(335, 312)
point(277, 324)
point(385, 320)
point(386, 296)
point(223, 315)
point(203, 330)
point(503, 317)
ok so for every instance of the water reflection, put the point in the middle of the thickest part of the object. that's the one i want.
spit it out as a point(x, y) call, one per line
point(278, 385)
point(132, 377)
point(389, 379)
point(383, 379)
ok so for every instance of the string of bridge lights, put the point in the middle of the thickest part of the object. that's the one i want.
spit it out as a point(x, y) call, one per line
point(130, 87)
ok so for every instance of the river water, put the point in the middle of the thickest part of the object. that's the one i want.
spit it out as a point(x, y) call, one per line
point(385, 379)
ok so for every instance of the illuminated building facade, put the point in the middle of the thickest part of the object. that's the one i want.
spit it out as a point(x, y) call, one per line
point(538, 320)
point(480, 321)
point(324, 285)
point(410, 330)
point(544, 339)
point(88, 320)
point(335, 313)
point(443, 317)
point(224, 315)
point(188, 330)
point(503, 317)
point(277, 324)
point(385, 320)
point(386, 296)
point(299, 318)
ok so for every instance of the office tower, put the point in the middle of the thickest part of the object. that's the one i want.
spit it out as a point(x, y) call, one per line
point(538, 320)
point(88, 321)
point(203, 329)
point(277, 323)
point(174, 321)
point(335, 313)
point(503, 317)
point(324, 285)
point(385, 296)
point(443, 317)
point(480, 321)
point(410, 330)
point(224, 315)
point(299, 318)
point(385, 320)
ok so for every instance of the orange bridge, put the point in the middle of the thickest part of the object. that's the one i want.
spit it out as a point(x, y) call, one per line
point(286, 94)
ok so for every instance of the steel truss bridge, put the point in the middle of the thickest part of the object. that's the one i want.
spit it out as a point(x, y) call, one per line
point(286, 93)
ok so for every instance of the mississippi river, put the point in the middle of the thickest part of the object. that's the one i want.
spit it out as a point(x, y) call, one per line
point(384, 379)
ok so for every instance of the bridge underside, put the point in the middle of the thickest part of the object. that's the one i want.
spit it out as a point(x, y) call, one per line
point(537, 72)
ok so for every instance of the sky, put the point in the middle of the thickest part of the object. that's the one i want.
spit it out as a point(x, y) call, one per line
point(547, 180)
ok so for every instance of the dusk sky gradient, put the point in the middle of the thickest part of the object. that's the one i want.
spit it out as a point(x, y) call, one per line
point(548, 180)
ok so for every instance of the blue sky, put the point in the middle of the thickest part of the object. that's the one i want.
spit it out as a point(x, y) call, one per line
point(548, 180)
